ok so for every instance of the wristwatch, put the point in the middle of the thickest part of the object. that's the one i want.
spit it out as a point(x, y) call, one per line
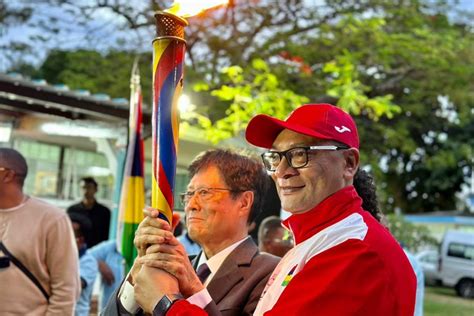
point(165, 303)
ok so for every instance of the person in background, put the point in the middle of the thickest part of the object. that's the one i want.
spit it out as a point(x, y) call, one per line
point(178, 230)
point(111, 268)
point(39, 272)
point(420, 281)
point(98, 214)
point(191, 247)
point(271, 207)
point(273, 238)
point(88, 268)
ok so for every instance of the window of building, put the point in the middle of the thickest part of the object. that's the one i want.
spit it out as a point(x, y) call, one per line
point(43, 160)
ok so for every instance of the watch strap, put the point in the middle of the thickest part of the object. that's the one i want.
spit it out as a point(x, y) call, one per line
point(165, 303)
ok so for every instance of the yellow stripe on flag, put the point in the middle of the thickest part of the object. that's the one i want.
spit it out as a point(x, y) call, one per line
point(134, 200)
point(161, 203)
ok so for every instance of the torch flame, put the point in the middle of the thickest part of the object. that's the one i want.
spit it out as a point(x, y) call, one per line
point(187, 8)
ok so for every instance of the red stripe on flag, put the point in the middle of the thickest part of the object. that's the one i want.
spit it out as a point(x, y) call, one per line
point(164, 186)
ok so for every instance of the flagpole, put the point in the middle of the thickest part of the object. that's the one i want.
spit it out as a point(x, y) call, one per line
point(132, 197)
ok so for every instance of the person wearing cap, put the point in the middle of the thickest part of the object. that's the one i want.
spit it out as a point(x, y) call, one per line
point(344, 261)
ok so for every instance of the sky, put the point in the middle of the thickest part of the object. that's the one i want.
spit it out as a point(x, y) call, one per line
point(102, 32)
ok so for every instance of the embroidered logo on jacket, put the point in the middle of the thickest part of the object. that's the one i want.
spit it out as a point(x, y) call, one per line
point(289, 276)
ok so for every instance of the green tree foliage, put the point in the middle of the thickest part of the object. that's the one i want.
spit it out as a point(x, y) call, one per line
point(420, 155)
point(401, 67)
point(9, 17)
point(246, 93)
point(90, 70)
point(257, 90)
point(406, 73)
point(411, 236)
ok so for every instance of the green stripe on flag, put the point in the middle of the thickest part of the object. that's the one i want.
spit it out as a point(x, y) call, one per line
point(129, 252)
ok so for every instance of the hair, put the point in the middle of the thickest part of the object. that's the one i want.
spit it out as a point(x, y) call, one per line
point(271, 206)
point(268, 224)
point(88, 180)
point(240, 173)
point(365, 186)
point(85, 224)
point(14, 160)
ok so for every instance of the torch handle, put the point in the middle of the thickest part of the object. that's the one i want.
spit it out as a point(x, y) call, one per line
point(168, 64)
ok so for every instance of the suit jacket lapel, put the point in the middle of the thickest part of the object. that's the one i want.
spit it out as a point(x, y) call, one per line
point(228, 274)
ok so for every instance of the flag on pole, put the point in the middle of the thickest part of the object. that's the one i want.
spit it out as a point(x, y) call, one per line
point(132, 197)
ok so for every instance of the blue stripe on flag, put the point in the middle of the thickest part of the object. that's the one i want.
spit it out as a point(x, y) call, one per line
point(137, 165)
point(167, 146)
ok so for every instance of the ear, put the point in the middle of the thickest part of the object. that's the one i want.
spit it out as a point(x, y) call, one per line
point(351, 163)
point(9, 176)
point(246, 202)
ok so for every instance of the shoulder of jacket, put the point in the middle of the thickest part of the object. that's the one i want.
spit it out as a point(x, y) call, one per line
point(267, 258)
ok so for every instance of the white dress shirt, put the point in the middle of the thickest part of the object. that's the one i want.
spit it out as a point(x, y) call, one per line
point(201, 298)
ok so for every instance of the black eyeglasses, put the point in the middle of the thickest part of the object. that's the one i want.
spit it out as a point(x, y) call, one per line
point(297, 157)
point(202, 194)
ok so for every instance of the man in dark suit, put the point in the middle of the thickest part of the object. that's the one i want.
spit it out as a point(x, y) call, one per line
point(224, 195)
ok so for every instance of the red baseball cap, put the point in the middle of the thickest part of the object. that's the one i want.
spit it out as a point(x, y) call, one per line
point(324, 121)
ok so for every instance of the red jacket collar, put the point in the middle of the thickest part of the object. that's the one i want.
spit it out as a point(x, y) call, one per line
point(331, 210)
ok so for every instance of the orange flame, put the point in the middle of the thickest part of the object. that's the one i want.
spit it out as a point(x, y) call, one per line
point(187, 8)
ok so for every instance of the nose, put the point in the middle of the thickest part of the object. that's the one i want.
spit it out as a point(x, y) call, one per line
point(284, 170)
point(193, 204)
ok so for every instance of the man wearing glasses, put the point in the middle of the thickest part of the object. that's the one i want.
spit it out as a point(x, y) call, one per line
point(223, 197)
point(344, 261)
point(39, 272)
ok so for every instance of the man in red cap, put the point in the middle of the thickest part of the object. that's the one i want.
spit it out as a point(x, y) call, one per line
point(344, 261)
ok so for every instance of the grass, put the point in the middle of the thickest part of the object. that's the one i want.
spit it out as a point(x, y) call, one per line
point(441, 301)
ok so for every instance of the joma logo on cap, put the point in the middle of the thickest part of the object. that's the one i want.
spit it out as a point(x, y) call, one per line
point(342, 129)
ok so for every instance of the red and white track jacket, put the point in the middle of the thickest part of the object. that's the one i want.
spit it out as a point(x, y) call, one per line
point(344, 263)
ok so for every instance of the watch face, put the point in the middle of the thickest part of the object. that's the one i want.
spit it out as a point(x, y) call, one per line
point(163, 305)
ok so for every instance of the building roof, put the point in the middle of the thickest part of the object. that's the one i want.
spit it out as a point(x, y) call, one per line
point(20, 96)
